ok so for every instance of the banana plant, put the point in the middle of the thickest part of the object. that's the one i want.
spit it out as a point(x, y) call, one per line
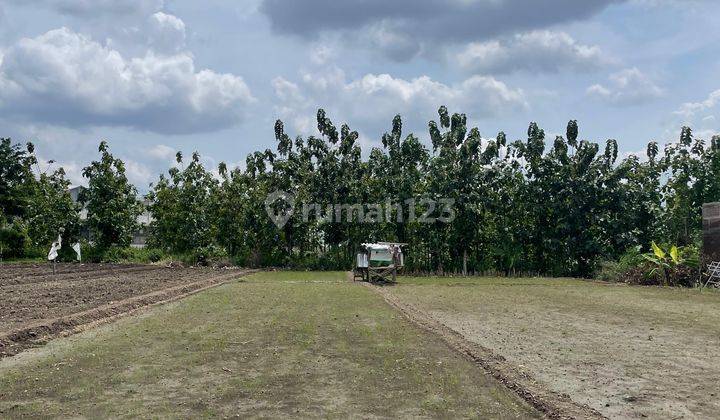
point(664, 262)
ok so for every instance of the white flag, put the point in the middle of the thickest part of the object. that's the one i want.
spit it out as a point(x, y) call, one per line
point(55, 248)
point(76, 248)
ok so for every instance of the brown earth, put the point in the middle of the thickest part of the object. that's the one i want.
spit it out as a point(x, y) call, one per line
point(554, 405)
point(627, 352)
point(36, 305)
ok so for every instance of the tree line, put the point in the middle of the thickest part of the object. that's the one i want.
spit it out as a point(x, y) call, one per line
point(552, 207)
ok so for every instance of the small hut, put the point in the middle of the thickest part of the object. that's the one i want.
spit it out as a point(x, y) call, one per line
point(381, 261)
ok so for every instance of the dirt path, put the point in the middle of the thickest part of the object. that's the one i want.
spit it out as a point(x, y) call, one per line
point(39, 332)
point(554, 405)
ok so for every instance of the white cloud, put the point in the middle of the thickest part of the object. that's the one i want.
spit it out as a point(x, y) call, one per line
point(161, 152)
point(627, 87)
point(701, 116)
point(690, 109)
point(138, 174)
point(321, 54)
point(546, 51)
point(485, 95)
point(166, 32)
point(373, 99)
point(65, 78)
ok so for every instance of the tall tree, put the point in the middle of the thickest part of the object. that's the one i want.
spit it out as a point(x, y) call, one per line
point(181, 208)
point(111, 201)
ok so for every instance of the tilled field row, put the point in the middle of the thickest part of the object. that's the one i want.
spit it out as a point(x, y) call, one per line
point(41, 269)
point(31, 302)
point(70, 275)
point(36, 333)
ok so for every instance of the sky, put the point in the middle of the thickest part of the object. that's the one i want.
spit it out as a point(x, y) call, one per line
point(153, 77)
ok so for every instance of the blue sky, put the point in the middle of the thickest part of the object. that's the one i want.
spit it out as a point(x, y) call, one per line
point(153, 77)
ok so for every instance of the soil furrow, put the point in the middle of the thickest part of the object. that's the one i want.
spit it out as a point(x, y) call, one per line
point(38, 333)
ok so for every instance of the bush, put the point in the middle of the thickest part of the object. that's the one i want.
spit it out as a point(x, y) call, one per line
point(645, 275)
point(13, 241)
point(205, 256)
point(672, 265)
point(609, 271)
point(122, 254)
point(615, 271)
point(665, 266)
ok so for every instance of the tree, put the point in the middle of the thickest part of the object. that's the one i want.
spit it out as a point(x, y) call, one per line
point(554, 207)
point(111, 201)
point(181, 208)
point(52, 210)
point(15, 177)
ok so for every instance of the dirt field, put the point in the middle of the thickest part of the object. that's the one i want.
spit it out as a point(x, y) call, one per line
point(271, 345)
point(629, 352)
point(34, 302)
point(314, 344)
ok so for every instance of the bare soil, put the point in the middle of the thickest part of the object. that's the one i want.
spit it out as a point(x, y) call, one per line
point(627, 352)
point(552, 404)
point(37, 305)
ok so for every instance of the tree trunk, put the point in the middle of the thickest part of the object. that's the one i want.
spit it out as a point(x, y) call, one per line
point(464, 272)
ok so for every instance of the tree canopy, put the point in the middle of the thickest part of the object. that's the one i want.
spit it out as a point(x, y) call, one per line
point(534, 205)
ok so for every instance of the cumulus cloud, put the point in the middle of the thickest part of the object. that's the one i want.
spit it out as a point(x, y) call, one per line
point(701, 116)
point(626, 87)
point(370, 99)
point(65, 78)
point(543, 50)
point(161, 152)
point(691, 109)
point(165, 32)
point(138, 173)
point(401, 28)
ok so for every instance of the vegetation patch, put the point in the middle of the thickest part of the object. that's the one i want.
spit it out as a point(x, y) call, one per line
point(265, 347)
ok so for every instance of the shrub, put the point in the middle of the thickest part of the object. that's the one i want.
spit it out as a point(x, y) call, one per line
point(673, 266)
point(665, 266)
point(13, 241)
point(118, 254)
point(617, 270)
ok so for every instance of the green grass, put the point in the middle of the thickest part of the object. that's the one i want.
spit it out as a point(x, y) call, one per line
point(298, 277)
point(275, 344)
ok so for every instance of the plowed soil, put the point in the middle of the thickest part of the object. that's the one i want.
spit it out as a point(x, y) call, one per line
point(36, 304)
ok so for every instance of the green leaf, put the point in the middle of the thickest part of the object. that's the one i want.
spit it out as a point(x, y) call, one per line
point(674, 254)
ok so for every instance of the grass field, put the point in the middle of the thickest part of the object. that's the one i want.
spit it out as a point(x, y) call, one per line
point(626, 351)
point(271, 345)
